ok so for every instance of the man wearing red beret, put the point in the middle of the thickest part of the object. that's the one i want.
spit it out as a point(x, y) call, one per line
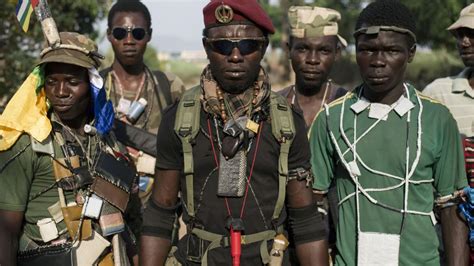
point(238, 155)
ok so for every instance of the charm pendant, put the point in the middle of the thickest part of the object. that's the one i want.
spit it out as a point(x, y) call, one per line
point(232, 175)
point(230, 146)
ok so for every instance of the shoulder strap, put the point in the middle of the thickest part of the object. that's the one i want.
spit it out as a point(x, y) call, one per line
point(283, 130)
point(164, 84)
point(45, 147)
point(186, 127)
point(104, 73)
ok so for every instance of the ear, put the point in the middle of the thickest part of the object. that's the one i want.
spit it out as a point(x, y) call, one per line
point(204, 44)
point(206, 47)
point(338, 51)
point(287, 47)
point(411, 53)
point(150, 31)
point(109, 35)
point(264, 47)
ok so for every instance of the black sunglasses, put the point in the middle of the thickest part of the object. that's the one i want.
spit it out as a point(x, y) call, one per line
point(224, 46)
point(120, 33)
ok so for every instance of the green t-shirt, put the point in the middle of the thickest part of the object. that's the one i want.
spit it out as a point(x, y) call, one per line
point(384, 149)
point(25, 173)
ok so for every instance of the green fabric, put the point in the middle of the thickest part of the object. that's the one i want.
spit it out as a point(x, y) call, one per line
point(221, 241)
point(25, 175)
point(187, 127)
point(384, 149)
point(283, 129)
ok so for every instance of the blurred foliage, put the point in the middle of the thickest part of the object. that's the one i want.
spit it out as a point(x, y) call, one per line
point(187, 71)
point(433, 17)
point(428, 66)
point(19, 51)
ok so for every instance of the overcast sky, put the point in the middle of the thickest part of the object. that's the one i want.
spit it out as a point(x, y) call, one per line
point(177, 24)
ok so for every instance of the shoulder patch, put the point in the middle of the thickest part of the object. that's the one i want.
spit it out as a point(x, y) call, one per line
point(45, 147)
point(424, 97)
point(341, 99)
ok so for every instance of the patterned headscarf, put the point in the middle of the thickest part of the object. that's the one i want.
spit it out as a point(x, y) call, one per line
point(236, 104)
point(27, 111)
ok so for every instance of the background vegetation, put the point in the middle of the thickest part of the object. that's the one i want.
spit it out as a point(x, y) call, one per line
point(19, 51)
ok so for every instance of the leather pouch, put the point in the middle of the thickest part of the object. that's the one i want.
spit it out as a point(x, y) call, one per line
point(107, 260)
point(72, 216)
point(80, 178)
point(111, 193)
point(195, 248)
point(117, 172)
point(60, 171)
point(51, 255)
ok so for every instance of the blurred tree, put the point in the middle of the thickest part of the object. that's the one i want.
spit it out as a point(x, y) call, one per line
point(426, 12)
point(432, 17)
point(19, 51)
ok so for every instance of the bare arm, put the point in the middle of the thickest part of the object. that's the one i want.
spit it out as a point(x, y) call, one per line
point(10, 226)
point(154, 250)
point(315, 252)
point(455, 233)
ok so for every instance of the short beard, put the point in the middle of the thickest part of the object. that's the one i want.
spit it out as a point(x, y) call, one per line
point(308, 90)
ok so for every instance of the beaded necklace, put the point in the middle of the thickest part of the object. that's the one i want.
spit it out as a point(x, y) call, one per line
point(220, 98)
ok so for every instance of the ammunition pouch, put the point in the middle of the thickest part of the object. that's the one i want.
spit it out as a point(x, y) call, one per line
point(115, 171)
point(81, 177)
point(114, 180)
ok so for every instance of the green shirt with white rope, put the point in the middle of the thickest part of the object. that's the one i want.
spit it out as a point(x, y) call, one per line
point(383, 151)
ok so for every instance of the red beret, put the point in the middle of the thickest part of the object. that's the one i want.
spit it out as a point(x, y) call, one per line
point(222, 12)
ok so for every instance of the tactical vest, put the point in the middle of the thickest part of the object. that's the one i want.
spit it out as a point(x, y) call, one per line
point(114, 197)
point(187, 126)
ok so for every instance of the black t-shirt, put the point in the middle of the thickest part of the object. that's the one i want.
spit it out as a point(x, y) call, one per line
point(211, 211)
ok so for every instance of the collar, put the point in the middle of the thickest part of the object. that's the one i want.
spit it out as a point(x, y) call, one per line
point(461, 82)
point(380, 111)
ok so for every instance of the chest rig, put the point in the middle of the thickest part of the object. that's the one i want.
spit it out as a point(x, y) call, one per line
point(187, 126)
point(100, 184)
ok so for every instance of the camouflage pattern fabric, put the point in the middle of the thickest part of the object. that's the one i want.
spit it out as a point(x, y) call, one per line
point(306, 21)
point(75, 49)
point(466, 18)
point(237, 105)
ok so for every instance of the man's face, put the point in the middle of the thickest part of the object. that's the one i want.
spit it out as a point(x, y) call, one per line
point(235, 70)
point(312, 60)
point(383, 59)
point(67, 89)
point(129, 47)
point(465, 44)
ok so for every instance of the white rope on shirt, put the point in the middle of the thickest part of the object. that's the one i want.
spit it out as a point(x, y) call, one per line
point(385, 189)
point(408, 172)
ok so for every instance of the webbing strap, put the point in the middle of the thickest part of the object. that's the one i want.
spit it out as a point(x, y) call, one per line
point(188, 171)
point(283, 129)
point(282, 177)
point(187, 127)
point(223, 241)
